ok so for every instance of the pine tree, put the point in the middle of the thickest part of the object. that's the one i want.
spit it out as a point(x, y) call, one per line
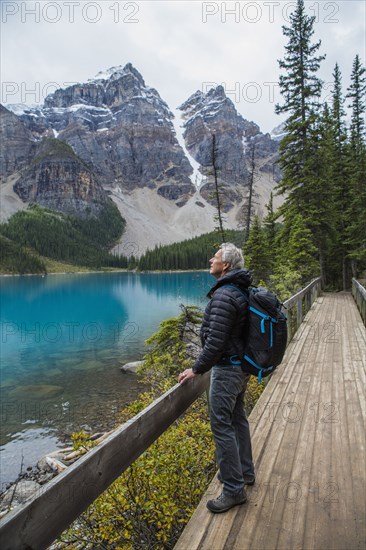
point(301, 90)
point(269, 223)
point(339, 125)
point(327, 187)
point(355, 240)
point(305, 151)
point(325, 220)
point(339, 173)
point(356, 92)
point(301, 252)
point(257, 253)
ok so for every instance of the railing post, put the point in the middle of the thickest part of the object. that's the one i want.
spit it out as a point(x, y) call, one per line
point(303, 301)
point(307, 301)
point(299, 312)
point(359, 295)
point(289, 328)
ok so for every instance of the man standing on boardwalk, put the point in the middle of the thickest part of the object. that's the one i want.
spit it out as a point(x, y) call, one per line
point(223, 336)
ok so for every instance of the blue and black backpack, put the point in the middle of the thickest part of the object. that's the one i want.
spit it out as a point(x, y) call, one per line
point(267, 336)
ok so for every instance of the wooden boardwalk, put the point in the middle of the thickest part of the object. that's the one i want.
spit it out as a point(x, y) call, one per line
point(308, 435)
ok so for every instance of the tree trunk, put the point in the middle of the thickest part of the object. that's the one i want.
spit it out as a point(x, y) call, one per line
point(217, 193)
point(250, 199)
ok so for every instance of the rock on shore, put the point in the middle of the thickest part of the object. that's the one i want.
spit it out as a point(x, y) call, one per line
point(131, 367)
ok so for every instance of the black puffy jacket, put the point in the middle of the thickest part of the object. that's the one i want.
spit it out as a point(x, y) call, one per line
point(224, 323)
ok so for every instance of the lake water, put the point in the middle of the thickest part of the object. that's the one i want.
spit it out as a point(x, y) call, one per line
point(63, 339)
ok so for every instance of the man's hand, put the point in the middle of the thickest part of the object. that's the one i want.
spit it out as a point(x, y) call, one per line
point(186, 375)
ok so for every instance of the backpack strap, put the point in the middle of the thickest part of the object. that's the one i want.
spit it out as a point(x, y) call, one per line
point(237, 288)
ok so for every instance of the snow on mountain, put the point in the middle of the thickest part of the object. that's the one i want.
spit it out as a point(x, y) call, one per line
point(20, 109)
point(178, 123)
point(278, 132)
point(106, 74)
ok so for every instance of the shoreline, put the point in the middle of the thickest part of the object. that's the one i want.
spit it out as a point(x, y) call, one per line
point(102, 272)
point(102, 416)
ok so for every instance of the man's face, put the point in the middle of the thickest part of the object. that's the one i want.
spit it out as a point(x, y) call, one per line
point(217, 266)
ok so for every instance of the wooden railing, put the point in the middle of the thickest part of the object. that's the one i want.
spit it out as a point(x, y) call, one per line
point(298, 305)
point(37, 523)
point(359, 294)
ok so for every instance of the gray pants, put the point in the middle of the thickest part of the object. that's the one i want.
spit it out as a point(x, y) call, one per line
point(230, 426)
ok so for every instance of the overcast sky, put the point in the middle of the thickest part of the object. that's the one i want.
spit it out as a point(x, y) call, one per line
point(178, 46)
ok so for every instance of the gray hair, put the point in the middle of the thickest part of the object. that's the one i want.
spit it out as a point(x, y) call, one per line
point(232, 255)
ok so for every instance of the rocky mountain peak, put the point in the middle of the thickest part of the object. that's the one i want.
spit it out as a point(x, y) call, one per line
point(279, 132)
point(213, 113)
point(120, 71)
point(216, 94)
point(205, 103)
point(110, 88)
point(119, 138)
point(121, 129)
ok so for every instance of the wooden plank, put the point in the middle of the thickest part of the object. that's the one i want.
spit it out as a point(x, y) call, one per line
point(266, 408)
point(341, 500)
point(267, 443)
point(269, 486)
point(295, 497)
point(355, 403)
point(41, 520)
point(198, 525)
point(287, 486)
point(219, 529)
point(319, 526)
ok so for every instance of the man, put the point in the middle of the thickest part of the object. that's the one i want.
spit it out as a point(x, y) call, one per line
point(222, 336)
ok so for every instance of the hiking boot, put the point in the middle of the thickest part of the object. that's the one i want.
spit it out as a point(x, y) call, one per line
point(224, 502)
point(249, 479)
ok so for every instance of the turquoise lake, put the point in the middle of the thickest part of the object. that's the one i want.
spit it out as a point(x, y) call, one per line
point(63, 339)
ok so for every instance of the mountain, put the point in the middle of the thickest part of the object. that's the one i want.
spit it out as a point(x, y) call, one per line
point(114, 135)
point(121, 129)
point(17, 143)
point(214, 113)
point(57, 179)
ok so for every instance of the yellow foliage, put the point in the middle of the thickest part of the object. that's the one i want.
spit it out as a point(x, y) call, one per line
point(149, 504)
point(80, 440)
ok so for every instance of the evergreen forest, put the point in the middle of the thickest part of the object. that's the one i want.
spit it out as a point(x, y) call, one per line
point(37, 232)
point(323, 163)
